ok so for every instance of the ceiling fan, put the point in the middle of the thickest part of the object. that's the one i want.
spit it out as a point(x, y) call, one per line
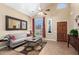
point(42, 11)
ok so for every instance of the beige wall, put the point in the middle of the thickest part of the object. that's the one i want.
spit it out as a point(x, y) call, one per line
point(68, 14)
point(74, 13)
point(57, 16)
point(5, 10)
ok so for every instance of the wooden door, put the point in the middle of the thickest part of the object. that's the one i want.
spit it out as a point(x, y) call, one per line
point(61, 31)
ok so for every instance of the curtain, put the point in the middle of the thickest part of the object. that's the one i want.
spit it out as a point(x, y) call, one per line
point(33, 26)
point(44, 31)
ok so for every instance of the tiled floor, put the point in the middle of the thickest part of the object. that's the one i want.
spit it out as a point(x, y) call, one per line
point(51, 48)
point(57, 48)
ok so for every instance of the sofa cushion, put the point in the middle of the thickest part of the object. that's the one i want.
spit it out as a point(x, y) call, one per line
point(17, 40)
point(13, 37)
point(19, 36)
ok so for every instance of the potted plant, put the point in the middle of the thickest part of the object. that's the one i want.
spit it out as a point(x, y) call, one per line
point(74, 32)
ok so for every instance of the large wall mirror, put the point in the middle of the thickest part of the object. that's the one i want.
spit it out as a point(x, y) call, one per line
point(15, 24)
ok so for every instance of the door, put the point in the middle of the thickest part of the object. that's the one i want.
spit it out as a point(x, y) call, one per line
point(61, 31)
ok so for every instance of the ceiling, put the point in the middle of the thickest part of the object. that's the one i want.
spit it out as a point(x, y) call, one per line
point(31, 9)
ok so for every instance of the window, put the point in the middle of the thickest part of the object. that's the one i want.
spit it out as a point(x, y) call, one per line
point(61, 5)
point(49, 25)
point(38, 26)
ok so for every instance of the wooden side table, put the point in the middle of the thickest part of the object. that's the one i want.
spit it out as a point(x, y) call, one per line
point(74, 41)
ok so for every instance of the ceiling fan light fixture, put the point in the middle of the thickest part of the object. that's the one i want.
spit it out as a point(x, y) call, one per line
point(40, 13)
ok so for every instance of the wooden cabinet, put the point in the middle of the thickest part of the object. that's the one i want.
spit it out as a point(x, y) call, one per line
point(74, 41)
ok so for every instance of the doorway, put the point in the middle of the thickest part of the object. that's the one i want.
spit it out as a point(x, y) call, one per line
point(62, 31)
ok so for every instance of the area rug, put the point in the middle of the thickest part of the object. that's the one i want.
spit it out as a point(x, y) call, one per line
point(35, 51)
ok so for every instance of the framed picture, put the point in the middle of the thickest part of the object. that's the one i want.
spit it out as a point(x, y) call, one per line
point(24, 25)
point(13, 23)
point(77, 21)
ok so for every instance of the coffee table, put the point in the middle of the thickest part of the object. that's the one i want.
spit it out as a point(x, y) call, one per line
point(31, 43)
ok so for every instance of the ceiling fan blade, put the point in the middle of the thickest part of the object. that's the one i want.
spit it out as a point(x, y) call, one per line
point(39, 8)
point(45, 13)
point(47, 10)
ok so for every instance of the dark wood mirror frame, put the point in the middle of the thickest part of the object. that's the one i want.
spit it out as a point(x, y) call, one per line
point(7, 18)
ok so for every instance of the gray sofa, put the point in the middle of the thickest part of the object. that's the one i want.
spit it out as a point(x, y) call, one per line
point(19, 38)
